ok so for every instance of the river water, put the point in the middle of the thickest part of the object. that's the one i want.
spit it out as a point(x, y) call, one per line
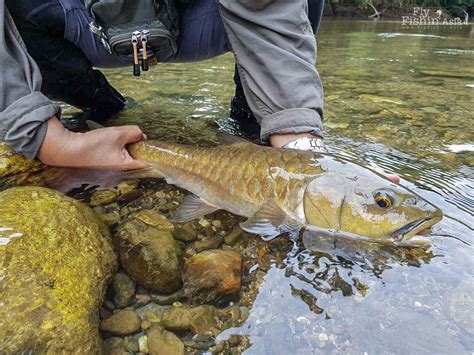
point(399, 97)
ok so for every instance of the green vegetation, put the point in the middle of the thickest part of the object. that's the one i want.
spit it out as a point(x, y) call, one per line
point(456, 8)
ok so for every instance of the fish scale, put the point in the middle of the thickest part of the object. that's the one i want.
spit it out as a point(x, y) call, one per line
point(237, 177)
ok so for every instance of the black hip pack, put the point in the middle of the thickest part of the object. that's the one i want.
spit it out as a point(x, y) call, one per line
point(138, 30)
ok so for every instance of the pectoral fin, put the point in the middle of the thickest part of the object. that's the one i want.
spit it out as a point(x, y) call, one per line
point(192, 207)
point(270, 221)
point(144, 173)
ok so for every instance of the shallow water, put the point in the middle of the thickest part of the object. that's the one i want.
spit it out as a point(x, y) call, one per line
point(401, 98)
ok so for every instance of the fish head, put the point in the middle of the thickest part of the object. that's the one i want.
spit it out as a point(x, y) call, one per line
point(362, 203)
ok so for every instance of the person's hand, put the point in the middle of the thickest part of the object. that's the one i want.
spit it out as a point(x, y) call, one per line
point(103, 148)
point(280, 140)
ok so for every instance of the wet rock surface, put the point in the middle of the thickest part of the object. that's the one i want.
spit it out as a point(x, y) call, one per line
point(152, 257)
point(163, 342)
point(15, 169)
point(212, 274)
point(123, 322)
point(122, 290)
point(55, 267)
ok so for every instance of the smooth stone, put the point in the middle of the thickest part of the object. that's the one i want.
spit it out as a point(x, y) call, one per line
point(203, 320)
point(114, 346)
point(234, 236)
point(131, 344)
point(57, 259)
point(199, 345)
point(122, 290)
point(155, 219)
point(123, 322)
point(199, 319)
point(177, 319)
point(212, 274)
point(163, 342)
point(208, 243)
point(185, 233)
point(142, 300)
point(150, 256)
point(381, 99)
point(151, 312)
point(143, 344)
point(145, 325)
point(103, 197)
point(216, 223)
point(126, 186)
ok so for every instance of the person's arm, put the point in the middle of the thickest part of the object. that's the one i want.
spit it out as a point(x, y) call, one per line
point(29, 123)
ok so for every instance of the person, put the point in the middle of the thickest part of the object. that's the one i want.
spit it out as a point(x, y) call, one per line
point(265, 36)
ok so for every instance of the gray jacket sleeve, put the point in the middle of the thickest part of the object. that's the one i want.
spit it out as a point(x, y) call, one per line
point(275, 49)
point(24, 110)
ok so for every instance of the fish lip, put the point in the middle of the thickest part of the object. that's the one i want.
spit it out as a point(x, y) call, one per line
point(405, 233)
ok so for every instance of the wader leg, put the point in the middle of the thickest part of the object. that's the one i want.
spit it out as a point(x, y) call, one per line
point(275, 49)
point(67, 73)
point(239, 108)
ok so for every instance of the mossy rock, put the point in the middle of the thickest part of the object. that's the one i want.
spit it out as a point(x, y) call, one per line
point(56, 258)
point(15, 169)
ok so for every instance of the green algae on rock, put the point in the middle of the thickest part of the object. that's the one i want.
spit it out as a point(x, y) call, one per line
point(150, 256)
point(56, 258)
point(15, 168)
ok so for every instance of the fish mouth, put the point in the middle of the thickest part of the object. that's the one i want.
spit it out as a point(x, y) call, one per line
point(410, 233)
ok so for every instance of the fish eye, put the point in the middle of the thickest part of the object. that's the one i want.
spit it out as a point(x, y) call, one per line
point(384, 199)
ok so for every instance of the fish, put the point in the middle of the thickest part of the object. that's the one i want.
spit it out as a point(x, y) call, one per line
point(287, 190)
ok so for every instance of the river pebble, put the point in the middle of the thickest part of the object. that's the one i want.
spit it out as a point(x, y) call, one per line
point(123, 322)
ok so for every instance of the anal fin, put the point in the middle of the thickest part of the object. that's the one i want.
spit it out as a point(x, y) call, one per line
point(270, 221)
point(192, 207)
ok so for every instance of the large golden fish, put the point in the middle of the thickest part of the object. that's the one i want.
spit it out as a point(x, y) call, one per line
point(284, 190)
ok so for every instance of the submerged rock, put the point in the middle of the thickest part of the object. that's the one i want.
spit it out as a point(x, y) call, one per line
point(199, 320)
point(122, 290)
point(114, 346)
point(155, 219)
point(123, 322)
point(163, 342)
point(150, 256)
point(151, 312)
point(16, 169)
point(103, 197)
point(56, 259)
point(212, 274)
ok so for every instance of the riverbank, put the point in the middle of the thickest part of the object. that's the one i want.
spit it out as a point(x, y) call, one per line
point(350, 11)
